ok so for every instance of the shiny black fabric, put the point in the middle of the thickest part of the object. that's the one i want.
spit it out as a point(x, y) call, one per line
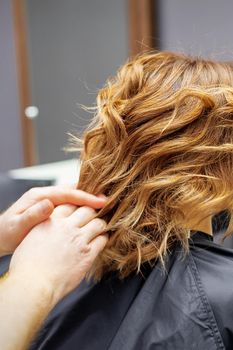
point(188, 307)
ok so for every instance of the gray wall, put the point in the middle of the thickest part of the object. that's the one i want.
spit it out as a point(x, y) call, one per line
point(74, 46)
point(11, 153)
point(200, 27)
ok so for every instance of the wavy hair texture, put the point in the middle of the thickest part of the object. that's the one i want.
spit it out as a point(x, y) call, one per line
point(160, 147)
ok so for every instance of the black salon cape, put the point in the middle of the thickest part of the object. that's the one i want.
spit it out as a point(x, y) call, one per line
point(189, 307)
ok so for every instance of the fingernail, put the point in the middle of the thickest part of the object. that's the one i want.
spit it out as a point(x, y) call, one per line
point(102, 196)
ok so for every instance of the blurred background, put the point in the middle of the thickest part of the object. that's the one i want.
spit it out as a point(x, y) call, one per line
point(56, 54)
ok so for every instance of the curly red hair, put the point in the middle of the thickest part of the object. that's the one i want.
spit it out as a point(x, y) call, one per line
point(161, 142)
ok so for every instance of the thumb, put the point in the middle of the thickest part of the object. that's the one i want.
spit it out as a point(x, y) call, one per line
point(35, 215)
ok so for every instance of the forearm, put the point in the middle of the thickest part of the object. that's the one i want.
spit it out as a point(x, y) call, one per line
point(24, 305)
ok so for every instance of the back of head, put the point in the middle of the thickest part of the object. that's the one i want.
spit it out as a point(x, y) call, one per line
point(160, 147)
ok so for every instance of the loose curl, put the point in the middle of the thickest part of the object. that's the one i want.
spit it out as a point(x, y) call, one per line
point(161, 148)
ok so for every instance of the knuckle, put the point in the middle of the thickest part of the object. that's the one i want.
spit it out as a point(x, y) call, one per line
point(13, 224)
point(84, 249)
point(88, 211)
point(73, 231)
point(29, 216)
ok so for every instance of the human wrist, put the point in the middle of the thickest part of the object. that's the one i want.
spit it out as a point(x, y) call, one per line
point(37, 289)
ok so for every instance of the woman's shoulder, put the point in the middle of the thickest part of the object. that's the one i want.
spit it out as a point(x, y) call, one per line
point(214, 264)
point(209, 254)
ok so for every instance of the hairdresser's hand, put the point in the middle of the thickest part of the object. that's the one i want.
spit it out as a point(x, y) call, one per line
point(35, 206)
point(60, 251)
point(50, 262)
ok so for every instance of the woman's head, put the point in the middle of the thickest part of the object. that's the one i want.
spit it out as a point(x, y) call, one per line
point(161, 148)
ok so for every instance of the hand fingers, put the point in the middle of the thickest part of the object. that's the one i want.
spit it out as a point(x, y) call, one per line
point(98, 244)
point(89, 255)
point(34, 216)
point(82, 216)
point(64, 210)
point(93, 229)
point(59, 195)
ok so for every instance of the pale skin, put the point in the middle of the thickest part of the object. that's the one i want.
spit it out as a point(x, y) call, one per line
point(53, 258)
point(35, 206)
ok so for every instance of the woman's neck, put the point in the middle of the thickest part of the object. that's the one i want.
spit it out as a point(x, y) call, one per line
point(204, 226)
